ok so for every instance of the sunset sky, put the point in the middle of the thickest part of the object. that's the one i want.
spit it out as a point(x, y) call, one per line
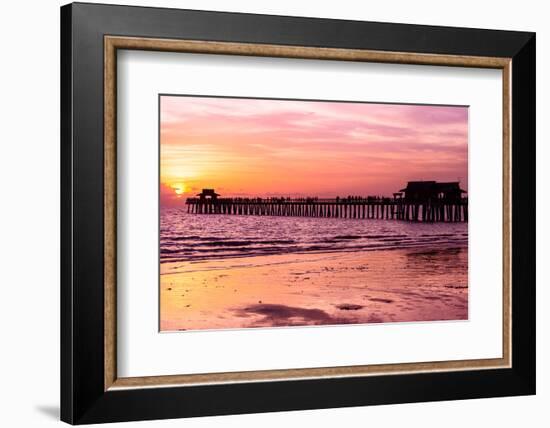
point(248, 147)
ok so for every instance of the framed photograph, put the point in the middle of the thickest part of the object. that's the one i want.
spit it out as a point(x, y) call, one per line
point(265, 213)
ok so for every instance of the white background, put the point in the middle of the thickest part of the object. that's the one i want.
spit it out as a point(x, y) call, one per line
point(29, 219)
point(143, 352)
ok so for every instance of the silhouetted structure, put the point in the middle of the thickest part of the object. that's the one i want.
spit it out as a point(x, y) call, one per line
point(423, 191)
point(208, 194)
point(426, 201)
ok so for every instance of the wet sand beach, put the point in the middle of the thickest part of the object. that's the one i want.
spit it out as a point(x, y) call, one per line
point(327, 288)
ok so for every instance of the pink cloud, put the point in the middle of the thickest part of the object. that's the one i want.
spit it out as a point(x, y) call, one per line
point(326, 148)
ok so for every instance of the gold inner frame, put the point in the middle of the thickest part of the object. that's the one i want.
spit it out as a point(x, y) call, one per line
point(113, 43)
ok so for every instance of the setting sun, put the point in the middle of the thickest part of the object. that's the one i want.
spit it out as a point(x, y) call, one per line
point(179, 188)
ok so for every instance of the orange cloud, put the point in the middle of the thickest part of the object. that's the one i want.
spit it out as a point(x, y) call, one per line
point(278, 147)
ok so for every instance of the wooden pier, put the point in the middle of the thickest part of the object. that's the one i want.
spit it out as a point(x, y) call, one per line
point(439, 210)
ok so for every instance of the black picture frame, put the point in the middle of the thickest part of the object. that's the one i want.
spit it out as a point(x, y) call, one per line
point(83, 397)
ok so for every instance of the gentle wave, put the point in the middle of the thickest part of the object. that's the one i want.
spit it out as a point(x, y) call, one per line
point(197, 256)
point(188, 237)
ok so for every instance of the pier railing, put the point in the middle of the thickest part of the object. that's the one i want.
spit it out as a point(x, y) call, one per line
point(434, 210)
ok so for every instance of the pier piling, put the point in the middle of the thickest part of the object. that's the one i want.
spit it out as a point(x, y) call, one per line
point(354, 208)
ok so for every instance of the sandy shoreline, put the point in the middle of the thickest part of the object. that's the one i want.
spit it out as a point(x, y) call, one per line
point(316, 289)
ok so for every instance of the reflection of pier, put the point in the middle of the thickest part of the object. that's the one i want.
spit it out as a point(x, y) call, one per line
point(445, 205)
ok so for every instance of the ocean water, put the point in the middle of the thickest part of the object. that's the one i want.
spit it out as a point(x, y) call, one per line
point(191, 237)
